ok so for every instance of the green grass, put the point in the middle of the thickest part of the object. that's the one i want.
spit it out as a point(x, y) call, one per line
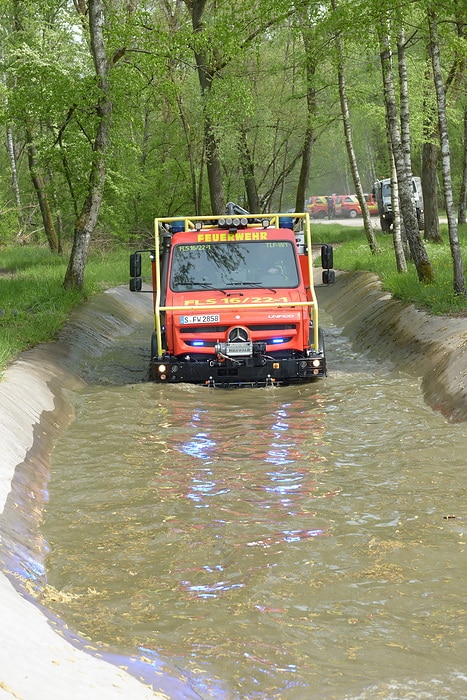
point(33, 303)
point(352, 252)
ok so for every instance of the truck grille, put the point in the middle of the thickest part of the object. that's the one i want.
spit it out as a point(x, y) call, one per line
point(223, 329)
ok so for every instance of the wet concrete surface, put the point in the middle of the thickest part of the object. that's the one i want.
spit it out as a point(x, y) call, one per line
point(38, 654)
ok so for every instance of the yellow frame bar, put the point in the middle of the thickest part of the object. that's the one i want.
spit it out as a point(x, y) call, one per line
point(189, 225)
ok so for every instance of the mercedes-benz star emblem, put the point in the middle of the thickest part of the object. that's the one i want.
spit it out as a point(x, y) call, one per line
point(238, 335)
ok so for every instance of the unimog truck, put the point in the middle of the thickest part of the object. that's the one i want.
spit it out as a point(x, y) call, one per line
point(234, 300)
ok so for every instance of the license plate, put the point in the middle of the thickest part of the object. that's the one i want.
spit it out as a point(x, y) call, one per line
point(239, 349)
point(203, 318)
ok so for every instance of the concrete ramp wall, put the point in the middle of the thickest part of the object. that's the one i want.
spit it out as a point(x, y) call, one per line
point(40, 658)
point(433, 348)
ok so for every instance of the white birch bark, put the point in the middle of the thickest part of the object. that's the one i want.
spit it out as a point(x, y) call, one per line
point(458, 267)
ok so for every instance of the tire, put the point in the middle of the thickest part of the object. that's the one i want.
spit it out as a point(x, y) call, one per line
point(153, 345)
point(321, 347)
point(321, 340)
point(321, 214)
point(353, 213)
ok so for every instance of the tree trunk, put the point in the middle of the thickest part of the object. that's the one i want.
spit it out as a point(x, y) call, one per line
point(404, 102)
point(42, 198)
point(304, 175)
point(310, 69)
point(205, 75)
point(430, 152)
point(247, 165)
point(463, 190)
point(350, 149)
point(14, 177)
point(429, 174)
point(399, 241)
point(409, 215)
point(458, 267)
point(87, 220)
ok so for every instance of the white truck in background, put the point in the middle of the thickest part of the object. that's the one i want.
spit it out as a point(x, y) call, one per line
point(382, 193)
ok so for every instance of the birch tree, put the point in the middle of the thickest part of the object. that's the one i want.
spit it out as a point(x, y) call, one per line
point(307, 26)
point(87, 220)
point(458, 267)
point(463, 191)
point(417, 249)
point(349, 142)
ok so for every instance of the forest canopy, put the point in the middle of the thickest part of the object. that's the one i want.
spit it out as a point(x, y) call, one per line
point(116, 112)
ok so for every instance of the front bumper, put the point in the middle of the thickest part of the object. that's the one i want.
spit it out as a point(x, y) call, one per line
point(246, 372)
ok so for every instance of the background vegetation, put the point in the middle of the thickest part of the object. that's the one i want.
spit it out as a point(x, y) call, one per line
point(115, 112)
point(273, 73)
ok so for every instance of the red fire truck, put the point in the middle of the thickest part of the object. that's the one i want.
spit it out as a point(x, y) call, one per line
point(234, 300)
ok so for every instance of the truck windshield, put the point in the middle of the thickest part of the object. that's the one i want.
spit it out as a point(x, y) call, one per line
point(386, 189)
point(262, 264)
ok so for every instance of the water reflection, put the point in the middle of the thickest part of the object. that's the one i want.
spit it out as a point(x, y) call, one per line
point(291, 543)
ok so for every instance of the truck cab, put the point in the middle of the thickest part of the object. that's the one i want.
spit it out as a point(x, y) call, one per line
point(382, 191)
point(234, 300)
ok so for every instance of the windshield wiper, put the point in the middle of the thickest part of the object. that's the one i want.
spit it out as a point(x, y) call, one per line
point(205, 285)
point(244, 284)
point(259, 285)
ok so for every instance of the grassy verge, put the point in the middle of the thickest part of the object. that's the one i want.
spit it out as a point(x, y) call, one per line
point(353, 253)
point(33, 304)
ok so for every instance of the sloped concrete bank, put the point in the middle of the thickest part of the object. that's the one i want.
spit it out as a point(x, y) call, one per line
point(433, 348)
point(39, 657)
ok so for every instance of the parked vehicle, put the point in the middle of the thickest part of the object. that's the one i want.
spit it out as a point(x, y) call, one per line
point(318, 207)
point(371, 203)
point(347, 206)
point(334, 206)
point(382, 192)
point(234, 300)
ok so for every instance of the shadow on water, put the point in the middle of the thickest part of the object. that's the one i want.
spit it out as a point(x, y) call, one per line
point(293, 543)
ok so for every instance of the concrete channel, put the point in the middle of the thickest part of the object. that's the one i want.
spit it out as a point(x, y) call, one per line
point(39, 656)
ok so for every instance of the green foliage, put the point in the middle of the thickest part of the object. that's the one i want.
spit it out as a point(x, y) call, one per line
point(156, 162)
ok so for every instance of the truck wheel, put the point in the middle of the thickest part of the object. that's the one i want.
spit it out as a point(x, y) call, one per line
point(353, 213)
point(153, 345)
point(321, 340)
point(321, 214)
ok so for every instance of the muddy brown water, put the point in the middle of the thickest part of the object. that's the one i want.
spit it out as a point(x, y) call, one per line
point(293, 543)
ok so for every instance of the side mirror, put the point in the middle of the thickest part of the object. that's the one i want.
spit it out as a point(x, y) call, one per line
point(329, 277)
point(136, 284)
point(135, 265)
point(327, 257)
